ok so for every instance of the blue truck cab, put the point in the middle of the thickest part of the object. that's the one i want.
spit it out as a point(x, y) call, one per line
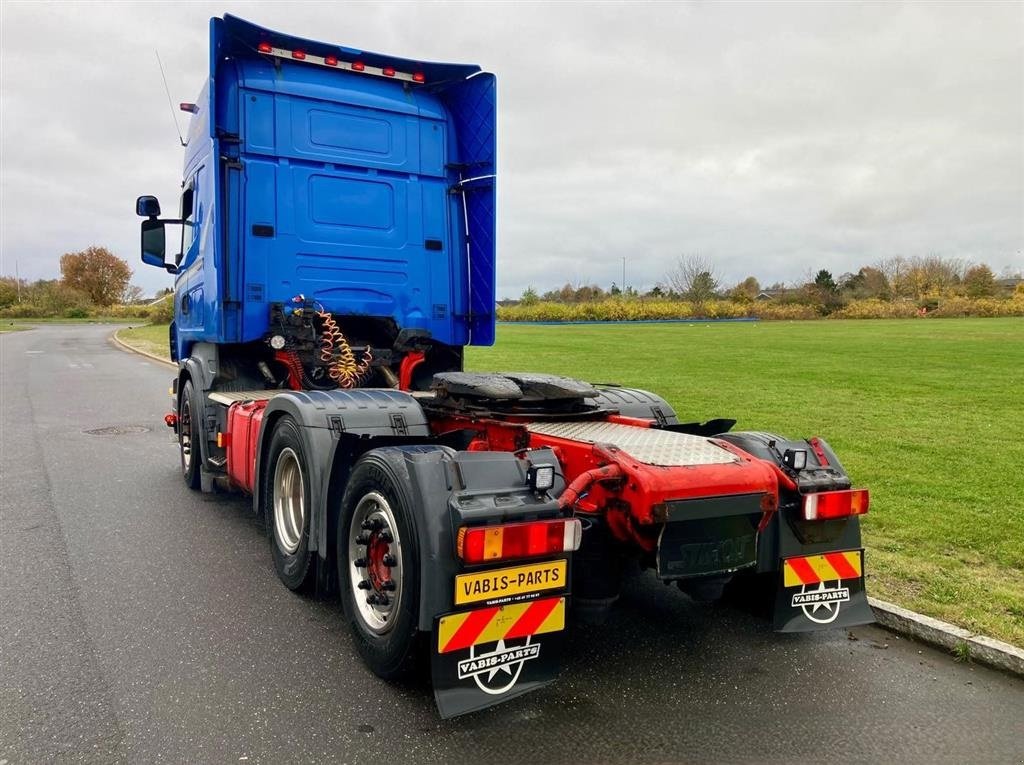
point(349, 182)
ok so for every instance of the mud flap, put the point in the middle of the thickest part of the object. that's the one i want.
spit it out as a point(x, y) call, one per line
point(485, 657)
point(818, 592)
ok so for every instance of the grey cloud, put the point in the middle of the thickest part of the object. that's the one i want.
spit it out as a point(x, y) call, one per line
point(774, 138)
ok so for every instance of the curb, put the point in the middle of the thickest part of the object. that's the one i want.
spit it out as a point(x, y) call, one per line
point(131, 349)
point(985, 650)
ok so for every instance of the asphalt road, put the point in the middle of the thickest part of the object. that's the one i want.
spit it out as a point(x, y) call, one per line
point(141, 622)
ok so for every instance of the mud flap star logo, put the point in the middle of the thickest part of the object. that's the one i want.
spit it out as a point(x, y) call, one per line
point(485, 667)
point(821, 598)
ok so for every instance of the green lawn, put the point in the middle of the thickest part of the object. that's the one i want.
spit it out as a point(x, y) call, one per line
point(929, 414)
point(9, 325)
point(151, 338)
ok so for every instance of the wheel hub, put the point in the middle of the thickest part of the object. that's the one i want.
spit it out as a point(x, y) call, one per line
point(375, 551)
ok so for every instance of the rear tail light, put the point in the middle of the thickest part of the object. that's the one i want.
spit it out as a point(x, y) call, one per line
point(835, 504)
point(418, 77)
point(331, 60)
point(299, 54)
point(265, 47)
point(486, 544)
point(358, 66)
point(388, 71)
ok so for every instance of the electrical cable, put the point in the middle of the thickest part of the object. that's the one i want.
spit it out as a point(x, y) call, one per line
point(337, 353)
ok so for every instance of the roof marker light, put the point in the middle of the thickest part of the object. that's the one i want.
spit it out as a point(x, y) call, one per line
point(264, 47)
point(388, 71)
point(418, 77)
point(358, 66)
point(331, 60)
point(299, 54)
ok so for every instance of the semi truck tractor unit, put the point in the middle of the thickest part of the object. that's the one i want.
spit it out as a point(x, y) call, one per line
point(337, 254)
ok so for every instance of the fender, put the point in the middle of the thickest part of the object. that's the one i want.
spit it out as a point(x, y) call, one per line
point(633, 402)
point(452, 488)
point(328, 419)
point(786, 535)
point(789, 536)
point(202, 368)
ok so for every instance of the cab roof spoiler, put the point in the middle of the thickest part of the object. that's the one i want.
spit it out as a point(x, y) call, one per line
point(232, 36)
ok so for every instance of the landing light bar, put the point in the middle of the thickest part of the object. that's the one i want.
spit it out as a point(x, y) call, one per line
point(333, 62)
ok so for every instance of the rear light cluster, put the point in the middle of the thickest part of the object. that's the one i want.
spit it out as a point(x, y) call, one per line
point(486, 544)
point(333, 62)
point(835, 504)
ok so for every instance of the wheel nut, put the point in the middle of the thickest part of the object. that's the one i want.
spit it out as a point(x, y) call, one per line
point(390, 560)
point(359, 563)
point(388, 584)
point(371, 524)
point(363, 539)
point(364, 584)
point(386, 538)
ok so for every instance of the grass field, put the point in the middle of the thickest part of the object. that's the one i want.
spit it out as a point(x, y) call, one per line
point(929, 414)
point(151, 338)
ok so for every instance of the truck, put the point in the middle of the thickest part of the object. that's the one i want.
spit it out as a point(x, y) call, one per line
point(337, 255)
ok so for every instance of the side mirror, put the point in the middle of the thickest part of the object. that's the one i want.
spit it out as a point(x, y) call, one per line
point(154, 244)
point(147, 207)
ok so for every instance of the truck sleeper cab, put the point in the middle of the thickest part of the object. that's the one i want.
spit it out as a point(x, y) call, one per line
point(337, 254)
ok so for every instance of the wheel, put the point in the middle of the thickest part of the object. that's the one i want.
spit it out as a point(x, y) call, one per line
point(190, 434)
point(378, 564)
point(285, 499)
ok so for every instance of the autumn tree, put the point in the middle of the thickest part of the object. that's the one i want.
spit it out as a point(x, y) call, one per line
point(693, 276)
point(9, 289)
point(746, 290)
point(96, 272)
point(979, 281)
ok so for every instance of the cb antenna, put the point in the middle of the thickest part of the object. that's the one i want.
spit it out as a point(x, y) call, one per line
point(170, 103)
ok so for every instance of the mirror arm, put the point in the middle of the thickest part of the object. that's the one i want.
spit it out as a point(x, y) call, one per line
point(170, 268)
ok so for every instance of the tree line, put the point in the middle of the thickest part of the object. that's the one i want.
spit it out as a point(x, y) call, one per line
point(924, 282)
point(93, 281)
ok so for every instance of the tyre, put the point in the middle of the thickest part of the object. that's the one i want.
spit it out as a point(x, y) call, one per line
point(190, 414)
point(378, 564)
point(285, 499)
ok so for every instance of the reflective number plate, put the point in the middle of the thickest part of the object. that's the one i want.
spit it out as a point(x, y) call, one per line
point(509, 582)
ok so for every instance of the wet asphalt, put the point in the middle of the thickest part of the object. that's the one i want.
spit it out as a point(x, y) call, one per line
point(141, 622)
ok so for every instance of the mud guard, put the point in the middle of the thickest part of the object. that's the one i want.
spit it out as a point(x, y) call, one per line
point(825, 591)
point(492, 655)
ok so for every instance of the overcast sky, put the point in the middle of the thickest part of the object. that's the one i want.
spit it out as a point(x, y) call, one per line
point(771, 138)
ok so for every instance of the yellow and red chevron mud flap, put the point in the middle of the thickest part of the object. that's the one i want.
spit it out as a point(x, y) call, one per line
point(822, 592)
point(489, 655)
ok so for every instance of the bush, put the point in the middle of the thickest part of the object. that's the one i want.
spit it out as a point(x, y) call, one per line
point(48, 299)
point(122, 312)
point(772, 311)
point(162, 312)
point(877, 309)
point(956, 307)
